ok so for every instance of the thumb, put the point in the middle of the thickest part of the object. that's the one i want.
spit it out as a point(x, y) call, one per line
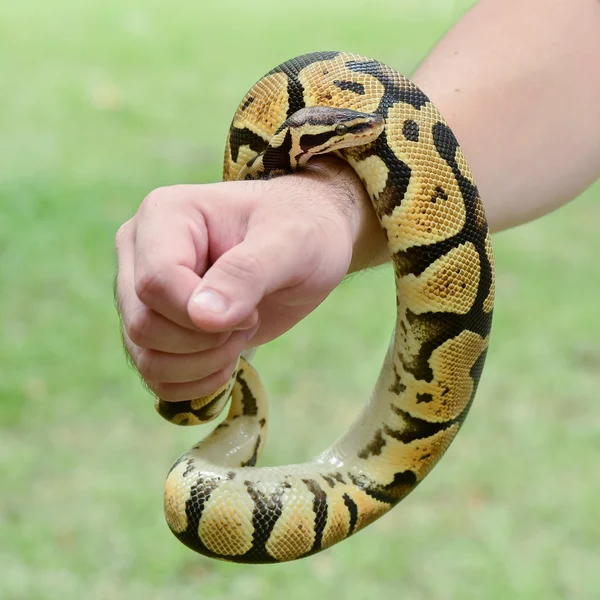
point(234, 285)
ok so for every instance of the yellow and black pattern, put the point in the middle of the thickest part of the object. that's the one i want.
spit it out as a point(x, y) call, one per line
point(216, 501)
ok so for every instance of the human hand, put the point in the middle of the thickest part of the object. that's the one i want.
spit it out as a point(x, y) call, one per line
point(206, 271)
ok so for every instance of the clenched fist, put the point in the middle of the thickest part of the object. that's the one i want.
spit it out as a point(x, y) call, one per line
point(207, 271)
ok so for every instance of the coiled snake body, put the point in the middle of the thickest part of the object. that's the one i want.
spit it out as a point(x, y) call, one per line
point(216, 501)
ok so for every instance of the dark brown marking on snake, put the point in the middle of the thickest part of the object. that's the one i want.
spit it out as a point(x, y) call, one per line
point(424, 398)
point(177, 462)
point(352, 511)
point(212, 409)
point(170, 410)
point(360, 153)
point(295, 89)
point(266, 513)
point(262, 422)
point(277, 158)
point(446, 144)
point(190, 467)
point(330, 480)
point(310, 140)
point(395, 89)
point(410, 129)
point(475, 227)
point(397, 387)
point(353, 86)
point(200, 492)
point(440, 194)
point(434, 329)
point(230, 475)
point(249, 100)
point(398, 176)
point(416, 259)
point(418, 429)
point(374, 447)
point(475, 374)
point(320, 508)
point(250, 163)
point(400, 486)
point(249, 404)
point(252, 460)
point(239, 137)
point(339, 477)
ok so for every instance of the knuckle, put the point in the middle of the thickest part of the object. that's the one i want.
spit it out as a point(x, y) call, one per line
point(149, 286)
point(147, 363)
point(156, 196)
point(139, 327)
point(171, 195)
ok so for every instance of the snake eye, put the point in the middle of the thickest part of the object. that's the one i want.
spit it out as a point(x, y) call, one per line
point(341, 130)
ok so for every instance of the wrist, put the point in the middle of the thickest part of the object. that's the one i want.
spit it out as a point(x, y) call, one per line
point(342, 190)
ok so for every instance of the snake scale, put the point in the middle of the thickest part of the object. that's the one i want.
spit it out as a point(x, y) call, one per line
point(217, 502)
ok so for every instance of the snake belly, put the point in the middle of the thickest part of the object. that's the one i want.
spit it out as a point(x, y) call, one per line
point(217, 502)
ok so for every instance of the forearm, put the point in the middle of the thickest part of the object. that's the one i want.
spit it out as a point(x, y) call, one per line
point(519, 84)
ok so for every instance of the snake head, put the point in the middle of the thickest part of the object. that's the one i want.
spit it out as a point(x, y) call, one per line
point(310, 132)
point(323, 129)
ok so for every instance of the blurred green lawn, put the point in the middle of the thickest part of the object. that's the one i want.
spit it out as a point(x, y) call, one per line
point(101, 101)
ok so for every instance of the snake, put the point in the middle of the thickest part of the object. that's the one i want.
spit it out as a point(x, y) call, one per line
point(216, 500)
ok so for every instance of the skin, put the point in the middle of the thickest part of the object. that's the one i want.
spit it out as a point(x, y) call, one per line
point(205, 271)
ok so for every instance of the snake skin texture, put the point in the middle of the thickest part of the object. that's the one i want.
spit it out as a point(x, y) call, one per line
point(217, 501)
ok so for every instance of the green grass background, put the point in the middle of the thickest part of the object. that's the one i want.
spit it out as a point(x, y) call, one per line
point(100, 102)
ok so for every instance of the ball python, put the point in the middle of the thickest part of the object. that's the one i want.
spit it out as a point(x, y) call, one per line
point(216, 501)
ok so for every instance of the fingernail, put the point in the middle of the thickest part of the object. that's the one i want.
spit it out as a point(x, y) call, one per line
point(211, 301)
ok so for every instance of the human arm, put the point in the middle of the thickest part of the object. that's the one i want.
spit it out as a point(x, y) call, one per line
point(518, 83)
